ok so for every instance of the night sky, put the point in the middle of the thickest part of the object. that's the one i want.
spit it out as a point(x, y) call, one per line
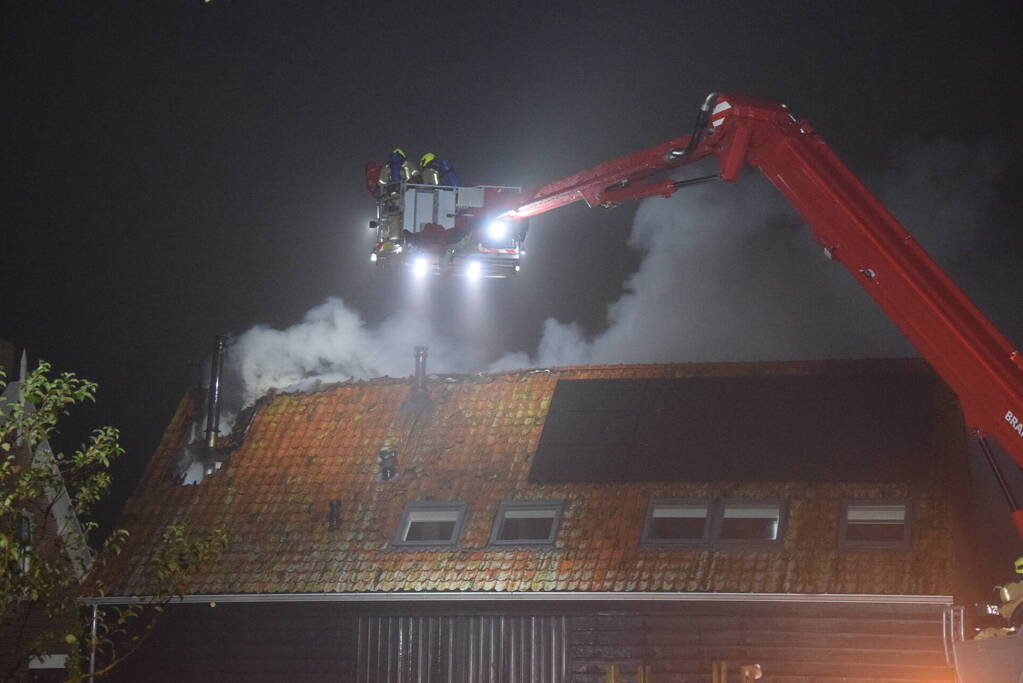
point(177, 170)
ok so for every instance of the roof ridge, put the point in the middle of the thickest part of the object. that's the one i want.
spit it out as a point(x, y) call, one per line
point(453, 377)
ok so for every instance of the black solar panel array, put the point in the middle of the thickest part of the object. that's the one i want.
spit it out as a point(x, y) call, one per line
point(766, 428)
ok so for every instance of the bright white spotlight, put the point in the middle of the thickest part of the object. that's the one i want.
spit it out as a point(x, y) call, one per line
point(373, 258)
point(420, 267)
point(497, 230)
point(474, 270)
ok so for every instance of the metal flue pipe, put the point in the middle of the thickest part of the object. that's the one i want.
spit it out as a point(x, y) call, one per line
point(418, 400)
point(419, 383)
point(213, 396)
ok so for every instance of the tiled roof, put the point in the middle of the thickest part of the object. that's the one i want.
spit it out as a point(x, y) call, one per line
point(475, 444)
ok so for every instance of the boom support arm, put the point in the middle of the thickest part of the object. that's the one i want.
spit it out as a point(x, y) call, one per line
point(855, 229)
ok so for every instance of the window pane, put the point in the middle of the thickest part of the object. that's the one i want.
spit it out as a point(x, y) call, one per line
point(527, 522)
point(875, 533)
point(431, 524)
point(752, 522)
point(677, 522)
point(430, 531)
point(525, 528)
point(867, 523)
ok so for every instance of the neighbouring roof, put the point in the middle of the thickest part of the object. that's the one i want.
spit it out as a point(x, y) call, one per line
point(57, 505)
point(476, 444)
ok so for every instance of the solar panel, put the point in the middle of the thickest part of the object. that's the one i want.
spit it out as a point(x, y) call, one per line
point(868, 427)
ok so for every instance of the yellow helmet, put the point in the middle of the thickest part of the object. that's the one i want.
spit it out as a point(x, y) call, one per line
point(427, 158)
point(1019, 565)
point(399, 150)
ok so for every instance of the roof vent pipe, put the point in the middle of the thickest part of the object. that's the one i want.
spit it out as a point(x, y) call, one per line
point(418, 399)
point(213, 397)
point(419, 384)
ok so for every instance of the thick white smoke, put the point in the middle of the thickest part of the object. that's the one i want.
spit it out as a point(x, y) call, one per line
point(729, 272)
point(331, 344)
point(732, 273)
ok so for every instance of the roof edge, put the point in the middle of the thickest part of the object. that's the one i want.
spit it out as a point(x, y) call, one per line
point(542, 596)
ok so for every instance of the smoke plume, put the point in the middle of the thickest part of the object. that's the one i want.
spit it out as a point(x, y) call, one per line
point(732, 273)
point(332, 343)
point(729, 273)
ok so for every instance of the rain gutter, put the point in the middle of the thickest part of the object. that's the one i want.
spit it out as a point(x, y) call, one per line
point(565, 596)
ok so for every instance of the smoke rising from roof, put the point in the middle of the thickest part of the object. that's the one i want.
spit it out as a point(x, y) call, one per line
point(331, 344)
point(732, 273)
point(729, 273)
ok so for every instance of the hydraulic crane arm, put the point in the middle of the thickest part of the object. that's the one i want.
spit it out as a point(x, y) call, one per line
point(855, 229)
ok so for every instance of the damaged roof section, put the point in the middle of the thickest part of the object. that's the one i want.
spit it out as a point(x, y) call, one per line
point(307, 509)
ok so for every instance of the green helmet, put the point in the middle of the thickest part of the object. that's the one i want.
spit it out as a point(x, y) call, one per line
point(427, 158)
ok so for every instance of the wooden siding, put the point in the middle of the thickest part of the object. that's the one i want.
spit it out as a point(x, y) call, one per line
point(461, 649)
point(542, 642)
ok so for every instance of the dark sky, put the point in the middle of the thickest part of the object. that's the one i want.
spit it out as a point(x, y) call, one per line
point(175, 170)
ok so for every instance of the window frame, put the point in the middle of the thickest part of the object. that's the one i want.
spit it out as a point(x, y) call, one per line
point(752, 543)
point(715, 520)
point(707, 503)
point(459, 507)
point(556, 505)
point(905, 543)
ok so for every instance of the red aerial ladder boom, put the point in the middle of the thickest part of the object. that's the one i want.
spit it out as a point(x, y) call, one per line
point(855, 229)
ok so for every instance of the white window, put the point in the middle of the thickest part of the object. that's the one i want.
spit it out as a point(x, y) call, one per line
point(431, 523)
point(757, 523)
point(750, 521)
point(875, 524)
point(676, 521)
point(526, 521)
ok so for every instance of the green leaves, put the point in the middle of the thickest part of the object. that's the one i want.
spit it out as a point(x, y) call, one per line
point(43, 551)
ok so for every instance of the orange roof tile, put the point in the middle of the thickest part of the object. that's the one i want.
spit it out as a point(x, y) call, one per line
point(475, 444)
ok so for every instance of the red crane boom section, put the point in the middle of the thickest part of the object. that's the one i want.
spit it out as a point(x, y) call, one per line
point(961, 344)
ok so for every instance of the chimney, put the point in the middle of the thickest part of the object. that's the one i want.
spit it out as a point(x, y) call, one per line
point(418, 400)
point(213, 397)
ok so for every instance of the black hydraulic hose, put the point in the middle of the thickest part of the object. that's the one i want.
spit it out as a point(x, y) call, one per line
point(701, 123)
point(999, 476)
point(698, 128)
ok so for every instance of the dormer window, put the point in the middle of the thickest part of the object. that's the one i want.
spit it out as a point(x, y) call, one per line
point(431, 523)
point(526, 521)
point(875, 524)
